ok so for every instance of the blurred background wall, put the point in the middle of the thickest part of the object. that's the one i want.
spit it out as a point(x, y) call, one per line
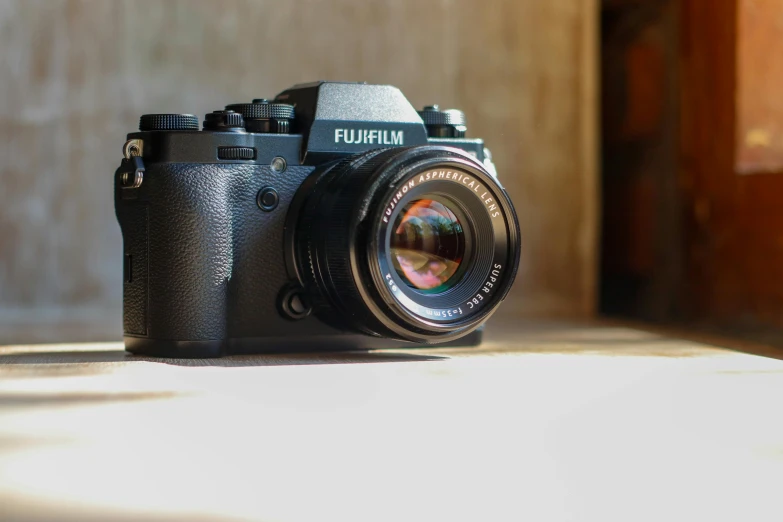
point(692, 169)
point(75, 76)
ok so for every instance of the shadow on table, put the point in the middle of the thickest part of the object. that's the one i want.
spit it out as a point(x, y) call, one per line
point(44, 357)
point(39, 399)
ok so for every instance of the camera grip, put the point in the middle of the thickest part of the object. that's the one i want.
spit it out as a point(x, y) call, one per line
point(177, 288)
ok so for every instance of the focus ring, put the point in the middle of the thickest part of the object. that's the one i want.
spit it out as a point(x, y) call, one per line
point(327, 249)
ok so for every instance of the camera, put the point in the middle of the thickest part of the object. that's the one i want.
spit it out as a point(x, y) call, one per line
point(335, 216)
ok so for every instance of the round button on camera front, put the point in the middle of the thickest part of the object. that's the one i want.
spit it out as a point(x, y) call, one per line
point(292, 303)
point(267, 199)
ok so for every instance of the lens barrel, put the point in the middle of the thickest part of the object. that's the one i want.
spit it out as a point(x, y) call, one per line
point(418, 244)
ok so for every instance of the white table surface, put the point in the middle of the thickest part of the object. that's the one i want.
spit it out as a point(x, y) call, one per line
point(546, 421)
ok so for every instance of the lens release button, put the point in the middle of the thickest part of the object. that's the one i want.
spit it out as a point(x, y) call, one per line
point(292, 303)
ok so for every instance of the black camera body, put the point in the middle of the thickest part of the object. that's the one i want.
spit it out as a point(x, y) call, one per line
point(277, 226)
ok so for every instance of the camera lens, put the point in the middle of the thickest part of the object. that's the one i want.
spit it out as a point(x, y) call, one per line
point(428, 245)
point(417, 243)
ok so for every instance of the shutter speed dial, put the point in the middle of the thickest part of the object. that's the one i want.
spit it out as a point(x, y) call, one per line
point(265, 116)
point(225, 121)
point(443, 123)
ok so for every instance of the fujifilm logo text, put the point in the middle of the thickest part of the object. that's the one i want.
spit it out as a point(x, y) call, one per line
point(368, 137)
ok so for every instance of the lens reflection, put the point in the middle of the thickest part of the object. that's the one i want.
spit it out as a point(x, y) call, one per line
point(427, 245)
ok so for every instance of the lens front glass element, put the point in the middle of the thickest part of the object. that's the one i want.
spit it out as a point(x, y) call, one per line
point(427, 245)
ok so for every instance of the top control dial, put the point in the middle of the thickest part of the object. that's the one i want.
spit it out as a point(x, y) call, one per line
point(443, 123)
point(153, 122)
point(265, 116)
point(226, 121)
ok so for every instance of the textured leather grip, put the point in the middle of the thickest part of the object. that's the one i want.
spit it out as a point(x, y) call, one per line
point(207, 262)
point(190, 250)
